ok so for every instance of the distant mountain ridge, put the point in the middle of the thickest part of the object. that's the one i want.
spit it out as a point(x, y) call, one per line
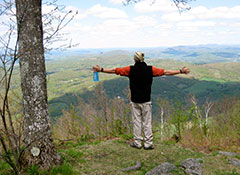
point(199, 54)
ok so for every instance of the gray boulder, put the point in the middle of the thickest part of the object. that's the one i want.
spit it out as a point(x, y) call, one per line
point(163, 169)
point(235, 162)
point(229, 154)
point(192, 166)
point(136, 167)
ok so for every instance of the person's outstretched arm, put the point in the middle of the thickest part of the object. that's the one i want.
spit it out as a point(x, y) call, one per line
point(124, 71)
point(184, 70)
point(99, 69)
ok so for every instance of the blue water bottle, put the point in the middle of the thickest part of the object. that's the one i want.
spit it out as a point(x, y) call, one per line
point(95, 76)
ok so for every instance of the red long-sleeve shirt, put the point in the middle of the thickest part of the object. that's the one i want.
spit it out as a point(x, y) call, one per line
point(125, 71)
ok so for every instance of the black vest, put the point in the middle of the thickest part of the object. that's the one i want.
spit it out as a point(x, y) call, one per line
point(141, 78)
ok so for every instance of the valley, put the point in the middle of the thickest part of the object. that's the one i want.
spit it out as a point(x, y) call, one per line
point(70, 77)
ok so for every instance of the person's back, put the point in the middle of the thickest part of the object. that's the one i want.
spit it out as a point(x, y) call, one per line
point(140, 82)
point(141, 77)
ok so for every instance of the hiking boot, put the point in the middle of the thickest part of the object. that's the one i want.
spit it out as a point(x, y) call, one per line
point(133, 144)
point(149, 148)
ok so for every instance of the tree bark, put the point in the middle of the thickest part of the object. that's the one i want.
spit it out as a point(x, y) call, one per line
point(39, 145)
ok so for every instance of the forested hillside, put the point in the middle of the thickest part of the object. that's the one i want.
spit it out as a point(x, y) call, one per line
point(70, 77)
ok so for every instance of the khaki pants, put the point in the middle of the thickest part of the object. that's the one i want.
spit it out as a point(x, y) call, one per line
point(142, 120)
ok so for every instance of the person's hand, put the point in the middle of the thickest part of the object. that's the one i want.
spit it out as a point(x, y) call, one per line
point(184, 70)
point(97, 68)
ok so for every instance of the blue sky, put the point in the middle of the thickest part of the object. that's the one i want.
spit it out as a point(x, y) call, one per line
point(109, 24)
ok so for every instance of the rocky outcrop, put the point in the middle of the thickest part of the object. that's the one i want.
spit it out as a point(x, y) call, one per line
point(192, 166)
point(231, 159)
point(229, 154)
point(136, 167)
point(234, 161)
point(163, 169)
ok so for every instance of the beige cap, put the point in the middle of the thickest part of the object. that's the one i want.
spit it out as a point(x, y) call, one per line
point(139, 56)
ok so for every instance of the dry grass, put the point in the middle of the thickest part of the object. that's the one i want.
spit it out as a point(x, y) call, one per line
point(199, 142)
point(110, 156)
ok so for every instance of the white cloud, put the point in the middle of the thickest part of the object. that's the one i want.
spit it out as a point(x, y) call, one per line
point(80, 14)
point(116, 1)
point(3, 29)
point(159, 5)
point(51, 9)
point(97, 10)
point(196, 27)
point(145, 21)
point(113, 27)
point(196, 24)
point(122, 32)
point(5, 21)
point(223, 24)
point(163, 27)
point(106, 12)
point(47, 8)
point(223, 12)
point(119, 26)
point(117, 23)
point(177, 17)
point(236, 24)
point(197, 11)
point(216, 13)
point(202, 12)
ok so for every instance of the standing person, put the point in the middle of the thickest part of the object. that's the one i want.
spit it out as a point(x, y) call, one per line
point(140, 76)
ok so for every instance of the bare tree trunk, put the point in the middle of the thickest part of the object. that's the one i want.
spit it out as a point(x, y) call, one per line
point(197, 111)
point(207, 109)
point(40, 149)
point(162, 123)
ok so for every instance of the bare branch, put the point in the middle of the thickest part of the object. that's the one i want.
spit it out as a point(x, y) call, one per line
point(6, 6)
point(180, 4)
point(60, 18)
